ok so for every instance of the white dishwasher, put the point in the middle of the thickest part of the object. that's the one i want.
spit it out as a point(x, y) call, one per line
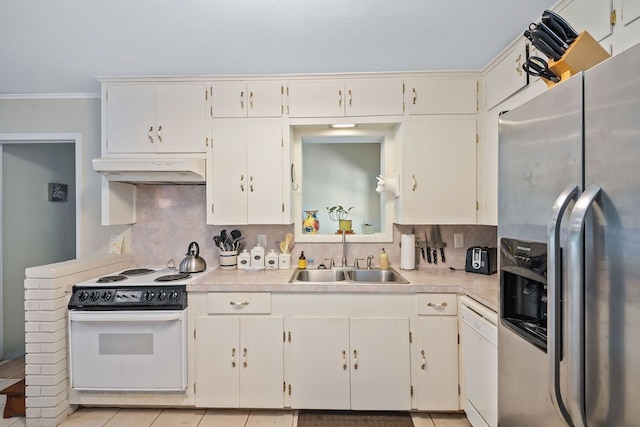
point(479, 340)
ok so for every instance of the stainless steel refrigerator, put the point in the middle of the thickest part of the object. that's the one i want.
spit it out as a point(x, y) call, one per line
point(569, 233)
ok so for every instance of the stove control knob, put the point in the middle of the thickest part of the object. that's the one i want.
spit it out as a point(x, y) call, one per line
point(162, 295)
point(83, 296)
point(106, 296)
point(173, 296)
point(148, 295)
point(95, 296)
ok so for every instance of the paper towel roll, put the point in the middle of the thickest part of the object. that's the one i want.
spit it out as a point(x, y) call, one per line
point(408, 252)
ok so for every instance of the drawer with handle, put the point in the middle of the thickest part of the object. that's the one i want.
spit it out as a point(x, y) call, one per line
point(437, 304)
point(239, 303)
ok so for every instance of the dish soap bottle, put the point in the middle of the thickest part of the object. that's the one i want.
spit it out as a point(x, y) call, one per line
point(384, 260)
point(302, 261)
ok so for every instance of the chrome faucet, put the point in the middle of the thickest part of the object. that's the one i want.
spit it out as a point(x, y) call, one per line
point(369, 259)
point(344, 250)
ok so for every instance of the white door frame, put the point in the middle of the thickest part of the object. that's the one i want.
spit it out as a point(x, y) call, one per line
point(45, 138)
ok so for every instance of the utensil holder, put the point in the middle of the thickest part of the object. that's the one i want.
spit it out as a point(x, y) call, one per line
point(228, 260)
point(582, 54)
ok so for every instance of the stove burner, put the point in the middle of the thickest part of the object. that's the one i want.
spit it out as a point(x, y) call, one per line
point(109, 279)
point(172, 277)
point(137, 272)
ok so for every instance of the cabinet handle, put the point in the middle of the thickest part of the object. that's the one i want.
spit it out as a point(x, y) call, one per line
point(414, 96)
point(350, 98)
point(160, 133)
point(233, 357)
point(294, 186)
point(339, 99)
point(355, 359)
point(424, 360)
point(242, 182)
point(251, 100)
point(344, 360)
point(414, 183)
point(242, 100)
point(437, 304)
point(519, 66)
point(238, 304)
point(150, 134)
point(251, 183)
point(244, 357)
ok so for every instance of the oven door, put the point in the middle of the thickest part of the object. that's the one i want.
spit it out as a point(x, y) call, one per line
point(128, 350)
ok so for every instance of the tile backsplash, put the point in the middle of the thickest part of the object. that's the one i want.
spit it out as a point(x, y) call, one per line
point(169, 217)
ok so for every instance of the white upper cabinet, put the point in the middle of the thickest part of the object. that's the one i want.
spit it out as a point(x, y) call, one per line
point(593, 16)
point(507, 76)
point(246, 99)
point(244, 172)
point(442, 95)
point(339, 98)
point(160, 118)
point(438, 170)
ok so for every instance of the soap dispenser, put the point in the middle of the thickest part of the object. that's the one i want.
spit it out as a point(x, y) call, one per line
point(384, 260)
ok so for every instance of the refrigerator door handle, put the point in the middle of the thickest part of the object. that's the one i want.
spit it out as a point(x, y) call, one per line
point(554, 303)
point(576, 333)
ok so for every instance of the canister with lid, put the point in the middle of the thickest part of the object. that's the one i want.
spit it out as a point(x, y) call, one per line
point(257, 256)
point(271, 259)
point(244, 259)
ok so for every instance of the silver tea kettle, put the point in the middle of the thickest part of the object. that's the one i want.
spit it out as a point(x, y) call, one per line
point(192, 263)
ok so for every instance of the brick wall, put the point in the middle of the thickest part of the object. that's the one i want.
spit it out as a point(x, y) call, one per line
point(47, 368)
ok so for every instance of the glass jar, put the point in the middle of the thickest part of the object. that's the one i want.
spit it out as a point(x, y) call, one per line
point(311, 225)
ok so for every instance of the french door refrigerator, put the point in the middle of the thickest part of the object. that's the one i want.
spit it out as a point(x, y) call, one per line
point(569, 231)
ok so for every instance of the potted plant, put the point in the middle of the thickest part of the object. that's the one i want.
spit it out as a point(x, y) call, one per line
point(340, 214)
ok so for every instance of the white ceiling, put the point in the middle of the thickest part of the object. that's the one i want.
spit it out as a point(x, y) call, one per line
point(60, 46)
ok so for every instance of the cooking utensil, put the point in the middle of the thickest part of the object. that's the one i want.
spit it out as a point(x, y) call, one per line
point(283, 247)
point(434, 242)
point(559, 26)
point(288, 240)
point(192, 262)
point(440, 243)
point(538, 67)
point(428, 248)
point(544, 43)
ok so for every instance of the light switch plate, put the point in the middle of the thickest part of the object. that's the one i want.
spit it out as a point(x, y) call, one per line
point(458, 240)
point(262, 240)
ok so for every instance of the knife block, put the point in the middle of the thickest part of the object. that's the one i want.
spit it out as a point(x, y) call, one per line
point(582, 54)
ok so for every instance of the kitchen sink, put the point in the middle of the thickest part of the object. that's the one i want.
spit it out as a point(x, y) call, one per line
point(376, 276)
point(317, 276)
point(347, 276)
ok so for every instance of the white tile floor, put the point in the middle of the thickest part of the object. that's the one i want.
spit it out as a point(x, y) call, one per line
point(111, 417)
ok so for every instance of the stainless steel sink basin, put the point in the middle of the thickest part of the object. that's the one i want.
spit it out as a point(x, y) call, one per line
point(317, 276)
point(375, 276)
point(347, 276)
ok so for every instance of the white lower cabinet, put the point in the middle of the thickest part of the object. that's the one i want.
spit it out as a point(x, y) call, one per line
point(239, 361)
point(435, 335)
point(350, 363)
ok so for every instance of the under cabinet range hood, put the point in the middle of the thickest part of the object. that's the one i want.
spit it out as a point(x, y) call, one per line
point(152, 171)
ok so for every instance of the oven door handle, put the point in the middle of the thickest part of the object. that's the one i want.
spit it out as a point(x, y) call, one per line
point(147, 316)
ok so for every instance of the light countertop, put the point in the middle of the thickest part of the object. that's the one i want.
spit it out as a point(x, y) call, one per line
point(480, 287)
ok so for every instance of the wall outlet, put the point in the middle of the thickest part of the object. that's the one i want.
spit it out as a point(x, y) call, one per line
point(458, 240)
point(262, 240)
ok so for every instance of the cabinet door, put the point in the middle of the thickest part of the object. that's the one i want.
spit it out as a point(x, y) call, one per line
point(436, 343)
point(229, 99)
point(320, 363)
point(380, 364)
point(316, 98)
point(507, 77)
point(589, 15)
point(264, 168)
point(262, 360)
point(440, 95)
point(131, 119)
point(181, 114)
point(439, 171)
point(229, 173)
point(217, 361)
point(265, 99)
point(374, 97)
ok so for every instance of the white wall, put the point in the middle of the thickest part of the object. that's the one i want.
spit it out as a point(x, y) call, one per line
point(35, 231)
